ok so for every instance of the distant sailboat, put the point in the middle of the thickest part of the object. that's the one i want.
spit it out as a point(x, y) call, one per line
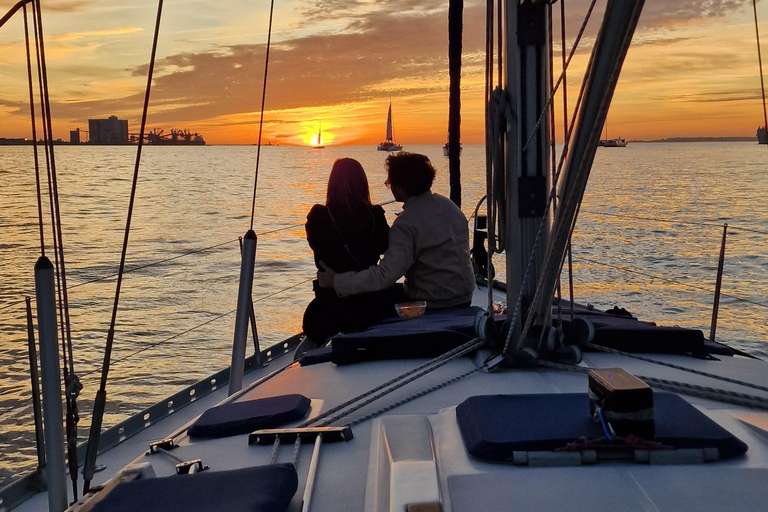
point(389, 144)
point(762, 135)
point(319, 138)
point(617, 142)
point(447, 149)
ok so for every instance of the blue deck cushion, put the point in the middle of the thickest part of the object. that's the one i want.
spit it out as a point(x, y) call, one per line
point(619, 330)
point(316, 356)
point(244, 417)
point(432, 334)
point(494, 426)
point(258, 489)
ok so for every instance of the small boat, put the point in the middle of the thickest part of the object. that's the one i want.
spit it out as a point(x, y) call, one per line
point(762, 135)
point(607, 142)
point(389, 144)
point(447, 147)
point(618, 142)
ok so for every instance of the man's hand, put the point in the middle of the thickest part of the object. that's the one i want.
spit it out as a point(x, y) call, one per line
point(325, 276)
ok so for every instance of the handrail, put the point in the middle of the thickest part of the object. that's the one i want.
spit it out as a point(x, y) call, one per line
point(13, 11)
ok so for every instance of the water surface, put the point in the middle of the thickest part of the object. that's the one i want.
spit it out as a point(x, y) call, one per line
point(647, 239)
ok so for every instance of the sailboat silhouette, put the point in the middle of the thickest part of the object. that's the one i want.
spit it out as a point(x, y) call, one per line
point(389, 144)
point(319, 138)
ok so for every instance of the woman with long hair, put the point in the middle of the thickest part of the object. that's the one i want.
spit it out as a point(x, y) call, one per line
point(348, 234)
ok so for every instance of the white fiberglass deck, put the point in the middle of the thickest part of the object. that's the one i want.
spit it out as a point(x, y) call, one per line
point(415, 454)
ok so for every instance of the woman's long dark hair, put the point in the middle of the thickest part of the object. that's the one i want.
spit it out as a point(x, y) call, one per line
point(348, 187)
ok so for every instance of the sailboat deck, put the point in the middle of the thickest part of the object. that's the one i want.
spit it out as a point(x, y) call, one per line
point(363, 473)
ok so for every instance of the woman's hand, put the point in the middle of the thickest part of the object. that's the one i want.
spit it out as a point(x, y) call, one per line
point(325, 276)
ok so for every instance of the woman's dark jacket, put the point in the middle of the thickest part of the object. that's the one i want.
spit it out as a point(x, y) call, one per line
point(364, 232)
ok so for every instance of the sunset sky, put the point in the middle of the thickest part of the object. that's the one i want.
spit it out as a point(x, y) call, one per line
point(692, 69)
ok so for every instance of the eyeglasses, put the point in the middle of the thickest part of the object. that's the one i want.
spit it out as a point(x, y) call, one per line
point(386, 183)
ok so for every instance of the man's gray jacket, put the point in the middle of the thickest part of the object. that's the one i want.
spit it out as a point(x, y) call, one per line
point(429, 245)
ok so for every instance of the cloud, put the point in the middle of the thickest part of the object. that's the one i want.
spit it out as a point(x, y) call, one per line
point(51, 5)
point(370, 59)
point(719, 96)
point(75, 36)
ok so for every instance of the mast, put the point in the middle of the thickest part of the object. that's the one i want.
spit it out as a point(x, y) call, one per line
point(389, 121)
point(455, 26)
point(527, 87)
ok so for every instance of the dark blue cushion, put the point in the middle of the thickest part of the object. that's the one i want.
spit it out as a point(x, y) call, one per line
point(316, 356)
point(432, 334)
point(494, 426)
point(244, 417)
point(257, 489)
point(619, 330)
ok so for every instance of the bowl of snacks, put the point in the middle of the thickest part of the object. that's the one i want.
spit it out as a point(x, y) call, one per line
point(411, 309)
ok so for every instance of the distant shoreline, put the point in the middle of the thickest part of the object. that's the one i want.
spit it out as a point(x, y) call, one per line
point(700, 139)
point(23, 142)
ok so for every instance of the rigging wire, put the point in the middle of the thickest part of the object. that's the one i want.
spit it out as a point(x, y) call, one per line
point(72, 382)
point(553, 156)
point(553, 192)
point(99, 404)
point(566, 139)
point(34, 134)
point(489, 191)
point(673, 221)
point(161, 342)
point(159, 262)
point(261, 115)
point(562, 74)
point(760, 61)
point(669, 280)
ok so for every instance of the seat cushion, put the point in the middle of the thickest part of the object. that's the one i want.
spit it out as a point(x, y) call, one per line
point(494, 426)
point(432, 334)
point(258, 489)
point(244, 417)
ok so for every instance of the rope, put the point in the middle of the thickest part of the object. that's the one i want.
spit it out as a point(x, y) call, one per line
point(360, 405)
point(708, 393)
point(678, 367)
point(414, 396)
point(425, 368)
point(275, 449)
point(261, 116)
point(760, 61)
point(171, 455)
point(296, 446)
